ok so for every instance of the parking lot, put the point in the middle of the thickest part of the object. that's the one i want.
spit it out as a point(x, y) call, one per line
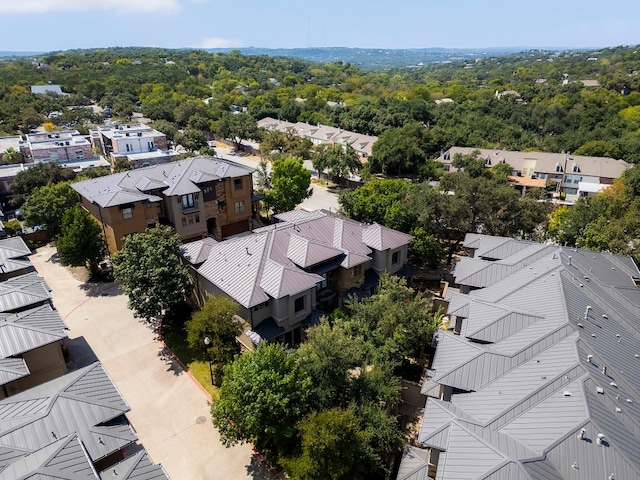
point(168, 411)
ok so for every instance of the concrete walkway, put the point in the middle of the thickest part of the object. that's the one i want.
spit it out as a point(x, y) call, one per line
point(168, 411)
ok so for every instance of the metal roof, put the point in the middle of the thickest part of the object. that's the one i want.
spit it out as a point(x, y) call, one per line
point(20, 292)
point(13, 255)
point(414, 464)
point(560, 352)
point(29, 330)
point(82, 402)
point(176, 178)
point(135, 467)
point(272, 259)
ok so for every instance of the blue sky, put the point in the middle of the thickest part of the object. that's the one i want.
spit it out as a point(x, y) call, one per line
point(46, 25)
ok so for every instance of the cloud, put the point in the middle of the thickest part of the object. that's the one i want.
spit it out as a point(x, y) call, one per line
point(213, 42)
point(118, 6)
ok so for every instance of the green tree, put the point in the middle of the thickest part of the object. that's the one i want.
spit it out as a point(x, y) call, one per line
point(80, 241)
point(339, 160)
point(290, 184)
point(217, 320)
point(263, 395)
point(191, 139)
point(238, 127)
point(47, 205)
point(333, 447)
point(402, 151)
point(152, 275)
point(36, 176)
point(122, 164)
point(328, 356)
point(425, 249)
point(11, 156)
point(170, 129)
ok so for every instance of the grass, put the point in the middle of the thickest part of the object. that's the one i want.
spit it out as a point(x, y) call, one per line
point(175, 337)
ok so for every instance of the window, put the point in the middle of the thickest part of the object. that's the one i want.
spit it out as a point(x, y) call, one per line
point(188, 201)
point(146, 164)
point(239, 206)
point(260, 306)
point(323, 283)
point(197, 218)
point(576, 169)
point(237, 184)
point(559, 168)
point(151, 146)
point(357, 271)
point(53, 156)
point(79, 154)
point(127, 213)
point(299, 304)
point(395, 258)
point(190, 219)
point(129, 147)
point(184, 221)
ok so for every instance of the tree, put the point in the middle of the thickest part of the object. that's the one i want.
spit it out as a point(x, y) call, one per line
point(327, 356)
point(425, 249)
point(290, 183)
point(191, 139)
point(47, 205)
point(152, 275)
point(80, 241)
point(263, 395)
point(263, 177)
point(39, 175)
point(217, 321)
point(12, 227)
point(238, 127)
point(275, 142)
point(170, 129)
point(402, 151)
point(333, 447)
point(11, 156)
point(340, 160)
point(122, 164)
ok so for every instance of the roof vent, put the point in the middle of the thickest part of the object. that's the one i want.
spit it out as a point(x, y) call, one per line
point(582, 434)
point(575, 465)
point(629, 400)
point(580, 325)
point(600, 390)
point(618, 410)
point(614, 384)
point(569, 257)
point(604, 316)
point(604, 370)
point(600, 439)
point(566, 393)
point(589, 358)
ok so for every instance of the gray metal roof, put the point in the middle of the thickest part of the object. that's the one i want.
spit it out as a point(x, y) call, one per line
point(135, 467)
point(382, 238)
point(13, 255)
point(548, 367)
point(414, 465)
point(271, 259)
point(81, 402)
point(176, 178)
point(29, 330)
point(21, 292)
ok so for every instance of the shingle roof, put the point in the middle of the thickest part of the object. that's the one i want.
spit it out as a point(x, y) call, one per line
point(176, 178)
point(543, 162)
point(559, 352)
point(272, 258)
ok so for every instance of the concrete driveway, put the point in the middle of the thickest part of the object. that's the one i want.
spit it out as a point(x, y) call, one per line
point(169, 412)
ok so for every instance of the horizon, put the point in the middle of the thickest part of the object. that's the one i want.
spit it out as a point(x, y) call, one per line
point(281, 24)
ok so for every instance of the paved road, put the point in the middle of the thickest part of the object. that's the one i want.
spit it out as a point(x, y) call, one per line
point(321, 197)
point(168, 411)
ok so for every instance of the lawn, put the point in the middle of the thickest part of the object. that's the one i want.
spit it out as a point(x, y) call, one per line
point(175, 337)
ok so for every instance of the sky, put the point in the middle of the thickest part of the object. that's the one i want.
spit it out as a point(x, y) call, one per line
point(48, 25)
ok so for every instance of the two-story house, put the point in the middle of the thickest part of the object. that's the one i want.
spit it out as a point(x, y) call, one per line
point(536, 376)
point(286, 275)
point(198, 197)
point(570, 173)
point(62, 146)
point(138, 143)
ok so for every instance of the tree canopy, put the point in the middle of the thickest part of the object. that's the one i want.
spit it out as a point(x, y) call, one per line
point(152, 275)
point(290, 184)
point(80, 241)
point(47, 206)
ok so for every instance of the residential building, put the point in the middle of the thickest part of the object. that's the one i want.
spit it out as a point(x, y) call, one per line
point(23, 292)
point(538, 375)
point(322, 134)
point(62, 146)
point(140, 144)
point(284, 276)
point(47, 89)
point(198, 197)
point(14, 259)
point(535, 168)
point(69, 428)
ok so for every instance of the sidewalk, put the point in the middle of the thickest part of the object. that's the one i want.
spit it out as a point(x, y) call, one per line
point(169, 412)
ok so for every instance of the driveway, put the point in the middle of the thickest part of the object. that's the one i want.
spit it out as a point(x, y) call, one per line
point(169, 412)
